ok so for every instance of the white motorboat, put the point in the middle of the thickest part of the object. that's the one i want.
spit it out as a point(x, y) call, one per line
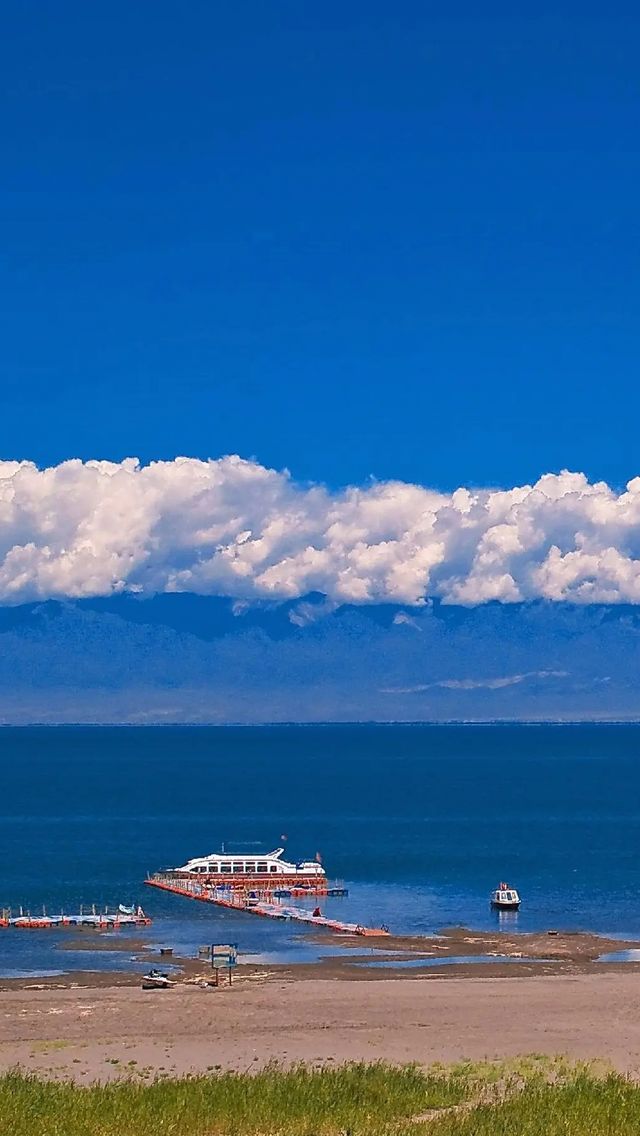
point(505, 898)
point(156, 980)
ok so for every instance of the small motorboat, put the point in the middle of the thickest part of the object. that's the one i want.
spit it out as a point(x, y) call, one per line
point(505, 898)
point(156, 980)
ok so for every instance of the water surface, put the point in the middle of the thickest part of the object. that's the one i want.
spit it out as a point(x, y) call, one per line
point(420, 821)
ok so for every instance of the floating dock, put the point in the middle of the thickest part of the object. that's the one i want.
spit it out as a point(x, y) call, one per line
point(98, 920)
point(266, 904)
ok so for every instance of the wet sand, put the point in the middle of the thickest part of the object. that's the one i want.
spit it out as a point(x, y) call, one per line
point(103, 1033)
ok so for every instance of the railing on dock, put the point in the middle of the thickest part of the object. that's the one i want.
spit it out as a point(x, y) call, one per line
point(248, 899)
point(296, 884)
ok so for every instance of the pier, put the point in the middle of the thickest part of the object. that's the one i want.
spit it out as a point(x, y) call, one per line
point(98, 920)
point(263, 902)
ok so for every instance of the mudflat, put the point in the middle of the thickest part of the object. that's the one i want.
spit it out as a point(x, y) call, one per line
point(105, 1032)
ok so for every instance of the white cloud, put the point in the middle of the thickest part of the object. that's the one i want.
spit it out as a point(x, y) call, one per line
point(476, 683)
point(235, 528)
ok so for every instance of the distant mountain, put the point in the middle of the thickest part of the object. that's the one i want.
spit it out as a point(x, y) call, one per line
point(188, 658)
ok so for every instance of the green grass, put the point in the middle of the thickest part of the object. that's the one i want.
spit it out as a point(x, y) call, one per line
point(358, 1099)
point(585, 1106)
point(526, 1097)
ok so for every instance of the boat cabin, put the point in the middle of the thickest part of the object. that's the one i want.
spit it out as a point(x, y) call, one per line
point(505, 898)
point(223, 866)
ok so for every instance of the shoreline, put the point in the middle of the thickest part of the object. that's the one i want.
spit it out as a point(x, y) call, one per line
point(378, 958)
point(231, 724)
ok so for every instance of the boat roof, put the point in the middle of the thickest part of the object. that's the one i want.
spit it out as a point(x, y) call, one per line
point(237, 855)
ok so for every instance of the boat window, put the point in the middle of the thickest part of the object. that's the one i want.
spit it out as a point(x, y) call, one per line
point(273, 867)
point(225, 868)
point(238, 867)
point(263, 867)
point(250, 867)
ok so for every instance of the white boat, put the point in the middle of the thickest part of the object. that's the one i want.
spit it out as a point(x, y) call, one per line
point(156, 980)
point(244, 867)
point(505, 898)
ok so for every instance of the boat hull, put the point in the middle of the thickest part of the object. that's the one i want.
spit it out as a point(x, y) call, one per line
point(295, 883)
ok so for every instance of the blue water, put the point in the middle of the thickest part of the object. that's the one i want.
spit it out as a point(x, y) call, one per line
point(632, 955)
point(420, 821)
point(445, 960)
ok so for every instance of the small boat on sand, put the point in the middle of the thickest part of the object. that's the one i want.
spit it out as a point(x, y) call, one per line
point(156, 980)
point(505, 898)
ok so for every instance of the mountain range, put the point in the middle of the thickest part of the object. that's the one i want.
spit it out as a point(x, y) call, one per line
point(190, 658)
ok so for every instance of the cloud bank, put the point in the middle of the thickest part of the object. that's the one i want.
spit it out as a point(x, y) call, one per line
point(474, 683)
point(235, 528)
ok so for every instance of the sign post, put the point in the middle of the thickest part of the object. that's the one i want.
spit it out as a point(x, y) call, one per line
point(224, 956)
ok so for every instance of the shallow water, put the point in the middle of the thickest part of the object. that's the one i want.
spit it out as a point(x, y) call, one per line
point(620, 956)
point(421, 822)
point(447, 960)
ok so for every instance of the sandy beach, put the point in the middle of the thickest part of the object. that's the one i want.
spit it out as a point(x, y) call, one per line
point(103, 1032)
point(553, 997)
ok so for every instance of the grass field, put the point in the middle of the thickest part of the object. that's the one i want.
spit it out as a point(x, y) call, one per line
point(534, 1097)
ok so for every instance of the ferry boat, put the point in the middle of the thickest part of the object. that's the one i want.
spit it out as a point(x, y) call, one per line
point(505, 898)
point(244, 869)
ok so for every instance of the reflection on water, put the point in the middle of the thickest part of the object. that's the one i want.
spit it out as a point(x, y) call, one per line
point(507, 920)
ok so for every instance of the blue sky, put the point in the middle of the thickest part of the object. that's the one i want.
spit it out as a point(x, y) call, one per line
point(346, 239)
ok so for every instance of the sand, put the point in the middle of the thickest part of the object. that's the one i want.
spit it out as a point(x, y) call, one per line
point(93, 1026)
point(102, 1033)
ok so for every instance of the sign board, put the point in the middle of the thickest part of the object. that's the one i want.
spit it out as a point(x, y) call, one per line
point(223, 955)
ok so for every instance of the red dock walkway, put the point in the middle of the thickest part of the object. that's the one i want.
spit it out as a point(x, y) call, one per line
point(240, 900)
